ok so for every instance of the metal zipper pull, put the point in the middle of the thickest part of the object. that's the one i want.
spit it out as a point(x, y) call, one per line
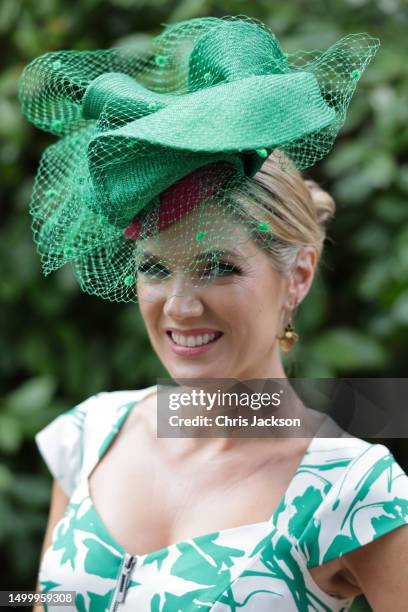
point(123, 581)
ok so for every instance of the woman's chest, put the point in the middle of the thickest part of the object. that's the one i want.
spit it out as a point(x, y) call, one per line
point(148, 505)
point(157, 502)
point(249, 566)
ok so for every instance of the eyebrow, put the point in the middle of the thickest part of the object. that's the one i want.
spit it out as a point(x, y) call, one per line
point(219, 252)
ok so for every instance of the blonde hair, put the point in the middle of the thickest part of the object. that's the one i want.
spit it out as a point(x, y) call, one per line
point(297, 210)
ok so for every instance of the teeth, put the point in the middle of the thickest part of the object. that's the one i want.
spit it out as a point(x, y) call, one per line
point(192, 341)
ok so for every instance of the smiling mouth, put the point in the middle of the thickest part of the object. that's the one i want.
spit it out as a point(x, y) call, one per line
point(193, 341)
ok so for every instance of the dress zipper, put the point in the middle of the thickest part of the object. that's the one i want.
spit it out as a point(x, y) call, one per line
point(128, 564)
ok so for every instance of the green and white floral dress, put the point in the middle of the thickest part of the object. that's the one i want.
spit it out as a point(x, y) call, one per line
point(346, 492)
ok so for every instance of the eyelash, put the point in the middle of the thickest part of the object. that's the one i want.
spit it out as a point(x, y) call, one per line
point(228, 269)
point(146, 268)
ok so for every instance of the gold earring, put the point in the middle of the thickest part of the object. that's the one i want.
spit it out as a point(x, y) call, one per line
point(289, 336)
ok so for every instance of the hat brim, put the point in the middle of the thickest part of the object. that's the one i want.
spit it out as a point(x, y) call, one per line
point(257, 112)
point(133, 163)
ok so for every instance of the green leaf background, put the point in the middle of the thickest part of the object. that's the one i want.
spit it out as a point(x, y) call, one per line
point(58, 346)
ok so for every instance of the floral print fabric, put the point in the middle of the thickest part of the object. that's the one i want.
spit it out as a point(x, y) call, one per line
point(346, 492)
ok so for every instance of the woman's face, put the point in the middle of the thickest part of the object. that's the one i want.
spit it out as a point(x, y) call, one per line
point(241, 302)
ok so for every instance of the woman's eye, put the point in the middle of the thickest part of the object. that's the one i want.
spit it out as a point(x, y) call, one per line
point(155, 271)
point(210, 270)
point(214, 269)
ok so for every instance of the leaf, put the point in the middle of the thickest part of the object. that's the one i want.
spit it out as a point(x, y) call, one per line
point(6, 478)
point(392, 208)
point(9, 10)
point(402, 252)
point(31, 490)
point(187, 9)
point(31, 396)
point(345, 157)
point(10, 434)
point(399, 311)
point(373, 279)
point(372, 239)
point(345, 349)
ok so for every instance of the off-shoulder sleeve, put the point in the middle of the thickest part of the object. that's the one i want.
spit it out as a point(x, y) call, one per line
point(368, 501)
point(61, 444)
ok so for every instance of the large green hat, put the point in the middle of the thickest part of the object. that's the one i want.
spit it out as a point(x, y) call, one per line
point(152, 139)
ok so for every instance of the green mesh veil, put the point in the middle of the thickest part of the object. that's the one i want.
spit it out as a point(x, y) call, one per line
point(156, 150)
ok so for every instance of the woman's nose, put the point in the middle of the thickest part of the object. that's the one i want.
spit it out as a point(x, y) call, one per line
point(183, 301)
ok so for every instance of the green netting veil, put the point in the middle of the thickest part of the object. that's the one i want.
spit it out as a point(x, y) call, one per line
point(157, 148)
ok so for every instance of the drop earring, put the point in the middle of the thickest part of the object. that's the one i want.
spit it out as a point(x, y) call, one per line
point(289, 337)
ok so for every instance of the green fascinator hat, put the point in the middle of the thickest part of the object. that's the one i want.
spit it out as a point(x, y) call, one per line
point(156, 143)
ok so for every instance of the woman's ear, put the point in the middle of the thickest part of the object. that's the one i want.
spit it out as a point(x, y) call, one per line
point(302, 275)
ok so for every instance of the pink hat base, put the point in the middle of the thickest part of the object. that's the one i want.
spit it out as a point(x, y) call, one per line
point(178, 199)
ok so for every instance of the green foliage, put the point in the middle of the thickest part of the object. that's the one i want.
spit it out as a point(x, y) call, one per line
point(58, 346)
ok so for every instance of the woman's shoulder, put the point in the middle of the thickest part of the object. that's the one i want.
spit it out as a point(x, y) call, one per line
point(118, 397)
point(364, 496)
point(77, 437)
point(106, 404)
point(96, 411)
point(335, 446)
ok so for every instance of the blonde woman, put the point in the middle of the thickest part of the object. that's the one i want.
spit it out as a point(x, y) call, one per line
point(141, 522)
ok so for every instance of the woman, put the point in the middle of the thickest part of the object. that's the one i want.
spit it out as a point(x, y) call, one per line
point(220, 259)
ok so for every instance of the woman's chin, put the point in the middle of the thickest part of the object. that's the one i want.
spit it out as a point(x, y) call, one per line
point(195, 363)
point(214, 369)
point(178, 374)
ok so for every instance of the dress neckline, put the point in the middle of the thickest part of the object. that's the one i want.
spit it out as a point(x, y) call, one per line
point(159, 552)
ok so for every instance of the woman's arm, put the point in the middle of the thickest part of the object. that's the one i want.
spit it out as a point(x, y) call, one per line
point(59, 502)
point(381, 570)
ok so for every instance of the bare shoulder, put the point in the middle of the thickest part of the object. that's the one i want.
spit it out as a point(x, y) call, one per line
point(335, 578)
point(390, 549)
point(381, 569)
point(148, 400)
point(145, 410)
